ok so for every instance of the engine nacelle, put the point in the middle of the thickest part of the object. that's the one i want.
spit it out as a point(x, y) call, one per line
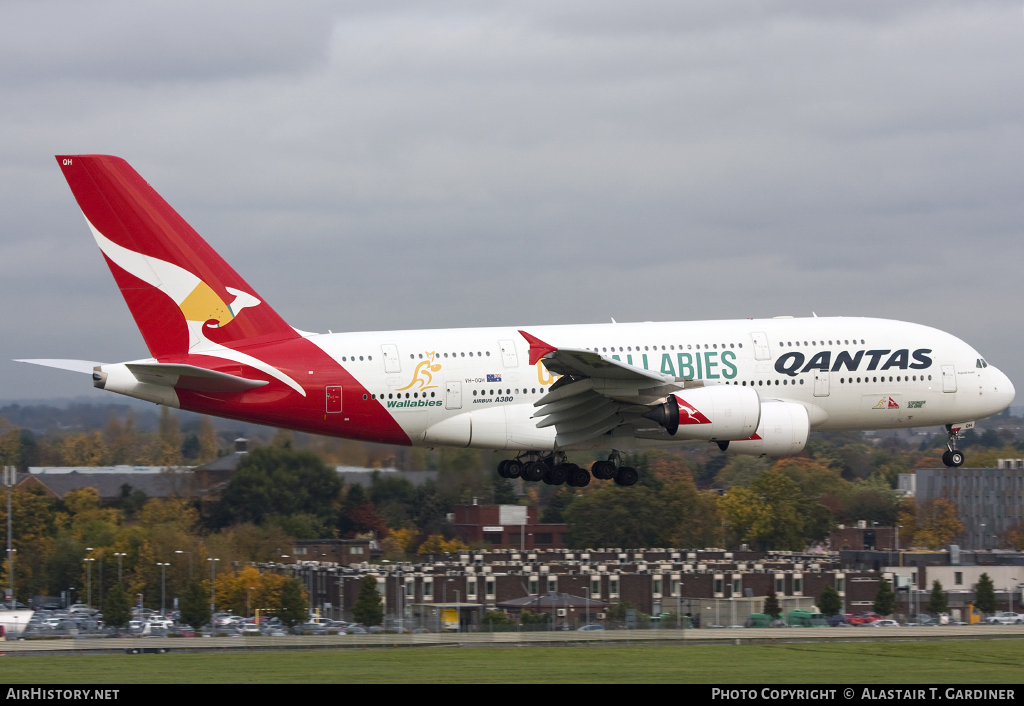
point(717, 413)
point(782, 432)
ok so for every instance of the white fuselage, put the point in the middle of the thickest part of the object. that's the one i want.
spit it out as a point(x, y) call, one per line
point(849, 373)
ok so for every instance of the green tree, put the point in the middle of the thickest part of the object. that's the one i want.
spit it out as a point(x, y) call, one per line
point(496, 617)
point(292, 607)
point(277, 480)
point(985, 595)
point(195, 605)
point(771, 606)
point(368, 609)
point(829, 602)
point(117, 608)
point(528, 617)
point(557, 504)
point(937, 601)
point(885, 599)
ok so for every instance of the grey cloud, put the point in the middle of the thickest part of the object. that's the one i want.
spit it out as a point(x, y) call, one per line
point(454, 164)
point(169, 41)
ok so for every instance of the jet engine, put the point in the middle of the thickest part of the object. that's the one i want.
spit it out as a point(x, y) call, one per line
point(717, 413)
point(782, 431)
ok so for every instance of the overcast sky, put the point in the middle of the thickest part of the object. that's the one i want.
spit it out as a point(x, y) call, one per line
point(432, 164)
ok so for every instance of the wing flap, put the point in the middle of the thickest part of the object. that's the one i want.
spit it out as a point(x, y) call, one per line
point(585, 410)
point(592, 432)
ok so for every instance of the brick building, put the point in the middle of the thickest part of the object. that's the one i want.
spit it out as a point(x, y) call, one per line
point(862, 537)
point(653, 580)
point(512, 526)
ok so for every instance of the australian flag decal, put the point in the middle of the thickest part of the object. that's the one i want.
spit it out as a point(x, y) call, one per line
point(494, 378)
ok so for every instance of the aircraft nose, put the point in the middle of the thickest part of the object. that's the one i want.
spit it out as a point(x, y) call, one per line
point(1002, 388)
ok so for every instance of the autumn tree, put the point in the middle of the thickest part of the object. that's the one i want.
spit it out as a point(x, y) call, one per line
point(207, 441)
point(885, 599)
point(10, 443)
point(770, 513)
point(937, 601)
point(368, 608)
point(248, 589)
point(985, 595)
point(170, 439)
point(937, 524)
point(829, 602)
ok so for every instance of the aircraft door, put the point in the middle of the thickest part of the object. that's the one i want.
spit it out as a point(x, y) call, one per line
point(508, 354)
point(761, 349)
point(453, 394)
point(334, 399)
point(391, 361)
point(948, 378)
point(821, 383)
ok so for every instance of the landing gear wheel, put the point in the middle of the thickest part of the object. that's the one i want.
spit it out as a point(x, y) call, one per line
point(945, 458)
point(579, 477)
point(534, 471)
point(557, 474)
point(956, 459)
point(603, 470)
point(502, 465)
point(513, 469)
point(626, 476)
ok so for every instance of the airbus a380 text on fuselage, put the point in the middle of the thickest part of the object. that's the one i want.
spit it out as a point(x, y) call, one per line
point(755, 386)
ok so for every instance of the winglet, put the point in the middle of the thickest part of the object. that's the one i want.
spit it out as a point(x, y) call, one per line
point(538, 349)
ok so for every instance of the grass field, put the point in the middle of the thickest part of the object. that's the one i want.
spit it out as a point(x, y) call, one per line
point(956, 661)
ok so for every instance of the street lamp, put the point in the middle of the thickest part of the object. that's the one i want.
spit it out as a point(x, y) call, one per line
point(88, 578)
point(119, 555)
point(163, 587)
point(213, 585)
point(248, 601)
point(9, 478)
point(179, 551)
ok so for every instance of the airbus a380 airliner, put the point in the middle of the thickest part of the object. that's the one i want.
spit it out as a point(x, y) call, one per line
point(753, 386)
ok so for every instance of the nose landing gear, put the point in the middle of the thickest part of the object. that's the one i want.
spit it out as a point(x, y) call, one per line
point(952, 457)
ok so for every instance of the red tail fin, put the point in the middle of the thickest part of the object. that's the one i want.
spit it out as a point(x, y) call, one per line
point(183, 295)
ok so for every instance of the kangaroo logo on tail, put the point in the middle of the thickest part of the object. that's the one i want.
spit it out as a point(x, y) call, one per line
point(197, 301)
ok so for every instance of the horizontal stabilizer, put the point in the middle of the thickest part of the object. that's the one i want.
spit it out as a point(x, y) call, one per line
point(191, 377)
point(78, 366)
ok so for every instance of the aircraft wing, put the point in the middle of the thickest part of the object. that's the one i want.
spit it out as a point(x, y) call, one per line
point(596, 393)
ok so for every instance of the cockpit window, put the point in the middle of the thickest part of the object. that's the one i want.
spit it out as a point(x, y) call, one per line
point(977, 363)
point(981, 363)
point(984, 363)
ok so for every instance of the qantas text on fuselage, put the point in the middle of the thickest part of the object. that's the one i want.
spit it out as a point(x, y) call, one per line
point(750, 386)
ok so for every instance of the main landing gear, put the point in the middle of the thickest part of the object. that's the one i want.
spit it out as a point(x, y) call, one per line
point(554, 469)
point(951, 456)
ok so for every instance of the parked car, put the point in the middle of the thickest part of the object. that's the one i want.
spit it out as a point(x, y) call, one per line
point(884, 624)
point(81, 609)
point(864, 618)
point(355, 630)
point(1005, 618)
point(593, 627)
point(249, 629)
